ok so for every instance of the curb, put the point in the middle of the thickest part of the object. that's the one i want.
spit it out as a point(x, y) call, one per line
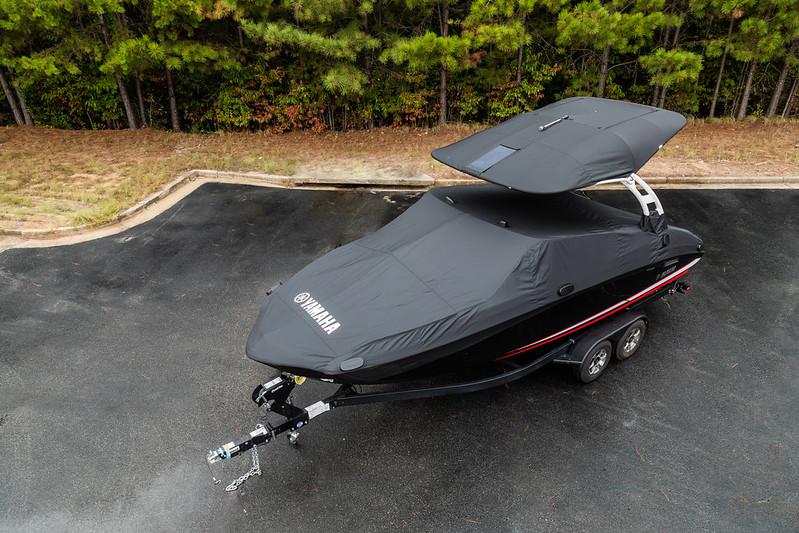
point(726, 180)
point(420, 182)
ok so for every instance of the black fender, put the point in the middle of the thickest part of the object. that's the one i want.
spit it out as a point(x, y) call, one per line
point(611, 328)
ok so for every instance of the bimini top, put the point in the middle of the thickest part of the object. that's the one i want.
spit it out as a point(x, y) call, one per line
point(573, 143)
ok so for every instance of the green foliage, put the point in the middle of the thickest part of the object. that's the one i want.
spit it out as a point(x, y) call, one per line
point(344, 79)
point(466, 101)
point(296, 109)
point(260, 97)
point(416, 108)
point(624, 27)
point(430, 50)
point(289, 64)
point(514, 97)
point(343, 44)
point(76, 102)
point(670, 67)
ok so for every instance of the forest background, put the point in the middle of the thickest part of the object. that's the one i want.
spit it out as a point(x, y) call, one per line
point(279, 65)
point(360, 88)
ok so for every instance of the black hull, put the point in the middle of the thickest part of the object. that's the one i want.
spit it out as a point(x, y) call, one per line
point(527, 337)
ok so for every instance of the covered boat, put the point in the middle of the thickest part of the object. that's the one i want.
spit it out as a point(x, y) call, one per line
point(467, 263)
point(524, 271)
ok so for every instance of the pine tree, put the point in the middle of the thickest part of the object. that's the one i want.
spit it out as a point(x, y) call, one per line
point(670, 67)
point(28, 30)
point(327, 33)
point(123, 92)
point(758, 41)
point(786, 25)
point(732, 11)
point(614, 26)
point(444, 50)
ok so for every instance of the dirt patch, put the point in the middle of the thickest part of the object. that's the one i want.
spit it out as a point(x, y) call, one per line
point(748, 148)
point(52, 178)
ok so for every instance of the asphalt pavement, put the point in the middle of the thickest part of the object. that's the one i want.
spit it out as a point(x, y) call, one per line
point(122, 362)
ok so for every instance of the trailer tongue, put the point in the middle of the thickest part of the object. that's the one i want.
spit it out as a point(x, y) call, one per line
point(274, 397)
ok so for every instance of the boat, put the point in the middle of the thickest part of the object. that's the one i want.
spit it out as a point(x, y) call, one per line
point(466, 263)
point(521, 271)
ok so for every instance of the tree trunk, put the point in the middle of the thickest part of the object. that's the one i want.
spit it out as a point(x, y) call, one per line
point(12, 101)
point(123, 92)
point(786, 111)
point(676, 39)
point(173, 104)
point(520, 58)
point(664, 88)
point(702, 55)
point(662, 99)
point(603, 71)
point(442, 96)
point(442, 91)
point(367, 67)
point(777, 95)
point(747, 90)
point(142, 113)
point(26, 116)
point(663, 44)
point(721, 69)
point(240, 35)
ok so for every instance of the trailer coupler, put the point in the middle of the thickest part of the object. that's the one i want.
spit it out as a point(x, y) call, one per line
point(272, 397)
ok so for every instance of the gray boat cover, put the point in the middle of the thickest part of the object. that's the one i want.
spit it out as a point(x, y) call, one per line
point(459, 262)
point(567, 145)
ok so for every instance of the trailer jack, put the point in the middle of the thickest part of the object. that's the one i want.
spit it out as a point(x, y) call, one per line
point(273, 396)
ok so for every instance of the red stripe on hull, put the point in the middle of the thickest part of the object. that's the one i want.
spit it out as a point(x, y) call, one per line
point(602, 314)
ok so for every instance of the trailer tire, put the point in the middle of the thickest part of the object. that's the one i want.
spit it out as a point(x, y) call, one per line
point(631, 340)
point(595, 362)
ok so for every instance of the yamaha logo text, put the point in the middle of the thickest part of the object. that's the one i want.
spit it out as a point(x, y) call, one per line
point(317, 312)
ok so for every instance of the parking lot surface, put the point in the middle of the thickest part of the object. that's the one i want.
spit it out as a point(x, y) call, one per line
point(122, 362)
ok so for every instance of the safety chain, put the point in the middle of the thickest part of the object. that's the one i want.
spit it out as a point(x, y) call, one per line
point(255, 470)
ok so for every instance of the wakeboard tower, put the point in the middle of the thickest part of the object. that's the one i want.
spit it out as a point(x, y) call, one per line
point(516, 274)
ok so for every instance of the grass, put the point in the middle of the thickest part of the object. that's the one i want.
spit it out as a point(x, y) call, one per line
point(16, 200)
point(103, 212)
point(54, 178)
point(51, 178)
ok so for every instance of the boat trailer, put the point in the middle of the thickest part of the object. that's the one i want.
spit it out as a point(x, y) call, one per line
point(587, 353)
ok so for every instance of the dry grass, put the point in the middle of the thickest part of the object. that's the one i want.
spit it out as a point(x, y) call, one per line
point(754, 147)
point(51, 178)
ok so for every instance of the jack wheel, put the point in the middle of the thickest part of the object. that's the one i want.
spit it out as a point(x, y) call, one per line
point(595, 362)
point(631, 340)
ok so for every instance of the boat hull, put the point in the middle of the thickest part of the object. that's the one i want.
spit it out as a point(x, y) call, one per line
point(527, 336)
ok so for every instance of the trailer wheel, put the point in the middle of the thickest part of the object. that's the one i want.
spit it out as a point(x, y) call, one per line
point(595, 362)
point(631, 340)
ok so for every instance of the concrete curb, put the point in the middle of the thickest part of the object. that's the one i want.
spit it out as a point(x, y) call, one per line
point(388, 182)
point(421, 182)
point(725, 180)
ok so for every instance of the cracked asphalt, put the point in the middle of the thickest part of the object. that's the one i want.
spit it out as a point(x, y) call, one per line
point(122, 362)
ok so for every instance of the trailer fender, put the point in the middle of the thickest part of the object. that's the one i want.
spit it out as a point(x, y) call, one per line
point(611, 329)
